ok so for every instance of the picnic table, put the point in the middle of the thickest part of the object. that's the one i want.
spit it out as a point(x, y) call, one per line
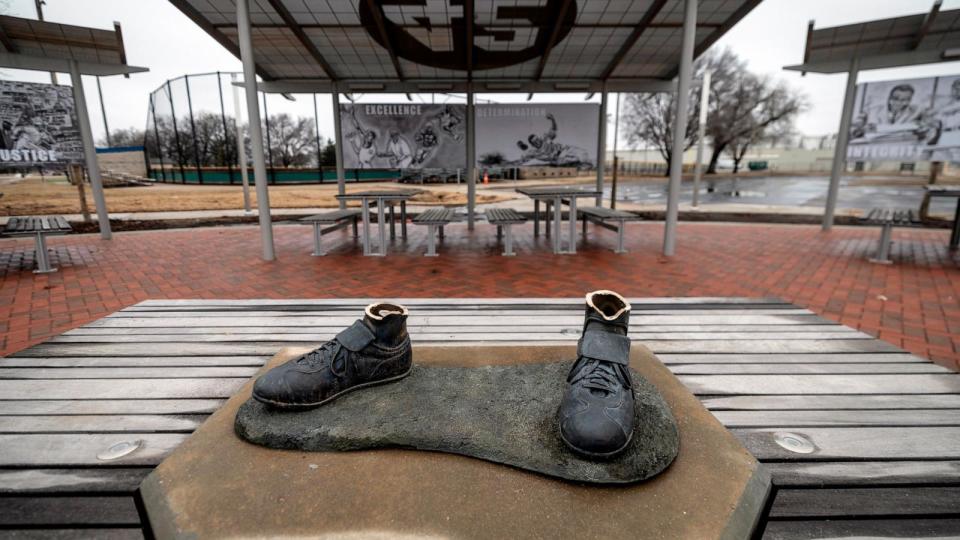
point(860, 437)
point(381, 198)
point(557, 196)
point(949, 191)
point(38, 227)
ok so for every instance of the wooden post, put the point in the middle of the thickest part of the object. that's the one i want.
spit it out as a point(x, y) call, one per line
point(935, 168)
point(75, 175)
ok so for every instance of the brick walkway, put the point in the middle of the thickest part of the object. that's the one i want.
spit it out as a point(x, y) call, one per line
point(912, 303)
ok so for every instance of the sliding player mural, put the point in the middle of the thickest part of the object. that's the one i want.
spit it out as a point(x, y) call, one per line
point(541, 135)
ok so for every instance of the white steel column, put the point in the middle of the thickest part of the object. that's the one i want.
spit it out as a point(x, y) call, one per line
point(701, 134)
point(471, 160)
point(341, 178)
point(241, 148)
point(602, 145)
point(89, 151)
point(256, 132)
point(680, 126)
point(840, 152)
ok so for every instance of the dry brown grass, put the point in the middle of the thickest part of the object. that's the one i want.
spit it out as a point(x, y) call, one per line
point(33, 197)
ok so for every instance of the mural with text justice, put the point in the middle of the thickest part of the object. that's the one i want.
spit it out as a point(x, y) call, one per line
point(37, 125)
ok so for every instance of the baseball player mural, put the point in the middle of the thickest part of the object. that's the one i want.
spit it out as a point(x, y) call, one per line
point(403, 136)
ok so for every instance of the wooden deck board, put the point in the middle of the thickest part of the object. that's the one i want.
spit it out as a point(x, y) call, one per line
point(884, 422)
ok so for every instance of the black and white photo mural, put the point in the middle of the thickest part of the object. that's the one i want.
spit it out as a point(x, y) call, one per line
point(538, 135)
point(906, 120)
point(37, 125)
point(403, 136)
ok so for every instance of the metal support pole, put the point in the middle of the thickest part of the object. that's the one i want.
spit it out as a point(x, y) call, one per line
point(840, 152)
point(89, 151)
point(176, 134)
point(602, 145)
point(338, 135)
point(193, 131)
point(266, 125)
point(680, 126)
point(316, 126)
point(39, 6)
point(156, 135)
point(701, 135)
point(241, 146)
point(616, 160)
point(226, 132)
point(256, 135)
point(103, 112)
point(471, 160)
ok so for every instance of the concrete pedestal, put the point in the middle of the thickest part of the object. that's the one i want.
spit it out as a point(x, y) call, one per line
point(216, 485)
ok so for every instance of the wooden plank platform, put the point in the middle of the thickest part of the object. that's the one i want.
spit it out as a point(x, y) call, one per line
point(884, 424)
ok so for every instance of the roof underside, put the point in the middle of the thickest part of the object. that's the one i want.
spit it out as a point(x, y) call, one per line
point(895, 42)
point(518, 45)
point(44, 45)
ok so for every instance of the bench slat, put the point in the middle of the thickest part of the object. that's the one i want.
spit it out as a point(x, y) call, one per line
point(603, 214)
point(504, 216)
point(333, 217)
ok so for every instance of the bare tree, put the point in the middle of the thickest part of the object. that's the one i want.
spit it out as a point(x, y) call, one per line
point(293, 142)
point(124, 137)
point(744, 109)
point(648, 119)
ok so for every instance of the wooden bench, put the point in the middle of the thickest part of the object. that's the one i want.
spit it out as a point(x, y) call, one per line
point(38, 227)
point(337, 219)
point(888, 218)
point(434, 218)
point(504, 219)
point(608, 219)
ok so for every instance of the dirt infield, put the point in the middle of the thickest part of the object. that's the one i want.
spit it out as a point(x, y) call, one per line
point(32, 196)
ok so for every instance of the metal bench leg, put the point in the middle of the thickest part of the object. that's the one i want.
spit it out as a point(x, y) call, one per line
point(431, 241)
point(573, 226)
point(584, 227)
point(557, 214)
point(441, 232)
point(499, 232)
point(403, 219)
point(43, 262)
point(382, 229)
point(355, 233)
point(536, 217)
point(365, 207)
point(508, 242)
point(620, 238)
point(317, 234)
point(393, 224)
point(883, 250)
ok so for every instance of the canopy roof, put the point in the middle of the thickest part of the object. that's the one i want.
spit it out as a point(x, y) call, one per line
point(441, 45)
point(49, 46)
point(923, 38)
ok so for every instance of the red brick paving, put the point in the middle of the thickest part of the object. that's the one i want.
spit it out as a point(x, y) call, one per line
point(912, 303)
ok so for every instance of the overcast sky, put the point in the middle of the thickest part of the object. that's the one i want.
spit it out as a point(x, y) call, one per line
point(159, 37)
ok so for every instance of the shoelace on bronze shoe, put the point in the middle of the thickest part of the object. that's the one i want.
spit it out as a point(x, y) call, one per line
point(599, 375)
point(317, 359)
